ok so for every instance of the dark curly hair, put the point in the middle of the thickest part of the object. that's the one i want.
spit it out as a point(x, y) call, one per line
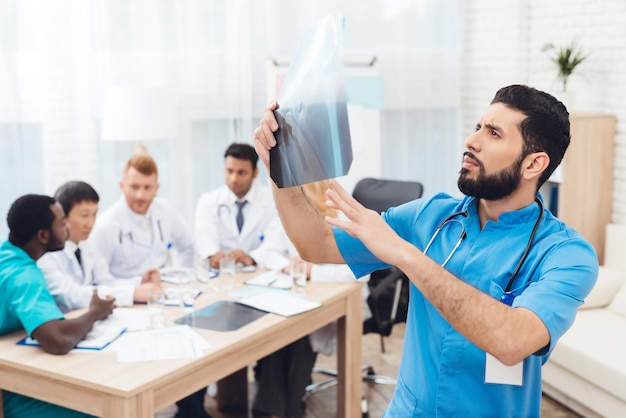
point(546, 127)
point(28, 215)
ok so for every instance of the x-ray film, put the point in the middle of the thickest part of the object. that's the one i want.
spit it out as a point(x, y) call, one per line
point(221, 316)
point(313, 138)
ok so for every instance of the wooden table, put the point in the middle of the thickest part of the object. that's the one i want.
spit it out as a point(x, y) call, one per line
point(96, 383)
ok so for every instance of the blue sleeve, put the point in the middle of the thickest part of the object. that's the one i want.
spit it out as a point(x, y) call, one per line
point(31, 301)
point(402, 219)
point(566, 276)
point(356, 255)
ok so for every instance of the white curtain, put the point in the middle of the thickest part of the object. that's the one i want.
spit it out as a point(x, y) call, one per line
point(57, 58)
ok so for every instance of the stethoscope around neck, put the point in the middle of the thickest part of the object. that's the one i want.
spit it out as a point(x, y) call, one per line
point(507, 297)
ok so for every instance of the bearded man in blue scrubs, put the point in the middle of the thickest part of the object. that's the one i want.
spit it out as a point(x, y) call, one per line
point(36, 226)
point(496, 279)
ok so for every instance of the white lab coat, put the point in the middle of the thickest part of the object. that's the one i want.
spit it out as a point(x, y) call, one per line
point(277, 254)
point(216, 225)
point(129, 250)
point(72, 287)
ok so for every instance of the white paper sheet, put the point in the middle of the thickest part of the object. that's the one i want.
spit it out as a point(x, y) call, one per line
point(160, 344)
point(271, 278)
point(280, 302)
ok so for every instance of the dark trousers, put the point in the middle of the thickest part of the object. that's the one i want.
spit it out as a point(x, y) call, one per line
point(282, 377)
point(192, 406)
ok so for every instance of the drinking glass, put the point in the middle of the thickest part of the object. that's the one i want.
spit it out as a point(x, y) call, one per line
point(201, 269)
point(227, 273)
point(156, 309)
point(297, 271)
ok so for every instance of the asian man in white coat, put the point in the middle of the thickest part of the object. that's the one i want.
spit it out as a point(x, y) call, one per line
point(140, 231)
point(235, 218)
point(73, 273)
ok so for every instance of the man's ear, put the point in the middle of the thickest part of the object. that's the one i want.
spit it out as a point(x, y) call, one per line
point(535, 164)
point(43, 236)
point(256, 172)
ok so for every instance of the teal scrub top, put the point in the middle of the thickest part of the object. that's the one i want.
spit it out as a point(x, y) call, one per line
point(442, 374)
point(26, 303)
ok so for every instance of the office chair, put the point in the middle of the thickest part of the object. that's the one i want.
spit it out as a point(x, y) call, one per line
point(381, 194)
point(389, 288)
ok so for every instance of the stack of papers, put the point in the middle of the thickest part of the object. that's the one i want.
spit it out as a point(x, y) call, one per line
point(281, 303)
point(132, 319)
point(160, 344)
point(271, 278)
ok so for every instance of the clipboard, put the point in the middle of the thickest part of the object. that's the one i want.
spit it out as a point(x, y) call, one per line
point(100, 336)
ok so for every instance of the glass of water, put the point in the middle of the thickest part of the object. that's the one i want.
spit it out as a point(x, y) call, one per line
point(227, 273)
point(156, 309)
point(298, 273)
point(202, 269)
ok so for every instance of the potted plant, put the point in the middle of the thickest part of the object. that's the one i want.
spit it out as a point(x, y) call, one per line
point(566, 58)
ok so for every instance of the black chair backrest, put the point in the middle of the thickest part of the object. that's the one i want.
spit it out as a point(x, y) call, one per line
point(381, 194)
point(383, 285)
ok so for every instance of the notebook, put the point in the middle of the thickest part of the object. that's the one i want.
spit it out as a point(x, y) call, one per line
point(100, 336)
point(271, 278)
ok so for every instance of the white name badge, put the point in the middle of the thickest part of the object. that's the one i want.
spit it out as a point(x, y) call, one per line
point(497, 372)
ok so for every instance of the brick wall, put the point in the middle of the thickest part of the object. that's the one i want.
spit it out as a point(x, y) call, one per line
point(501, 44)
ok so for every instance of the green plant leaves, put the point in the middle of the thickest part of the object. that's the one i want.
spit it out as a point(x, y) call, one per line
point(566, 58)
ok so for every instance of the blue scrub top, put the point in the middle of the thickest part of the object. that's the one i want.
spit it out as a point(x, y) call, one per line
point(26, 303)
point(442, 373)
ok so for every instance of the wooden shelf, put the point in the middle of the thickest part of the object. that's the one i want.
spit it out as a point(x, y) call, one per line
point(585, 193)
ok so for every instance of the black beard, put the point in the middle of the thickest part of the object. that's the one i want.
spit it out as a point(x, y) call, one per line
point(55, 244)
point(494, 186)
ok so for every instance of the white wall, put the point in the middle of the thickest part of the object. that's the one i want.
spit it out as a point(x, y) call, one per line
point(502, 43)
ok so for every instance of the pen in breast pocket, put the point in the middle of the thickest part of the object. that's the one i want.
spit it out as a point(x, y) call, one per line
point(121, 236)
